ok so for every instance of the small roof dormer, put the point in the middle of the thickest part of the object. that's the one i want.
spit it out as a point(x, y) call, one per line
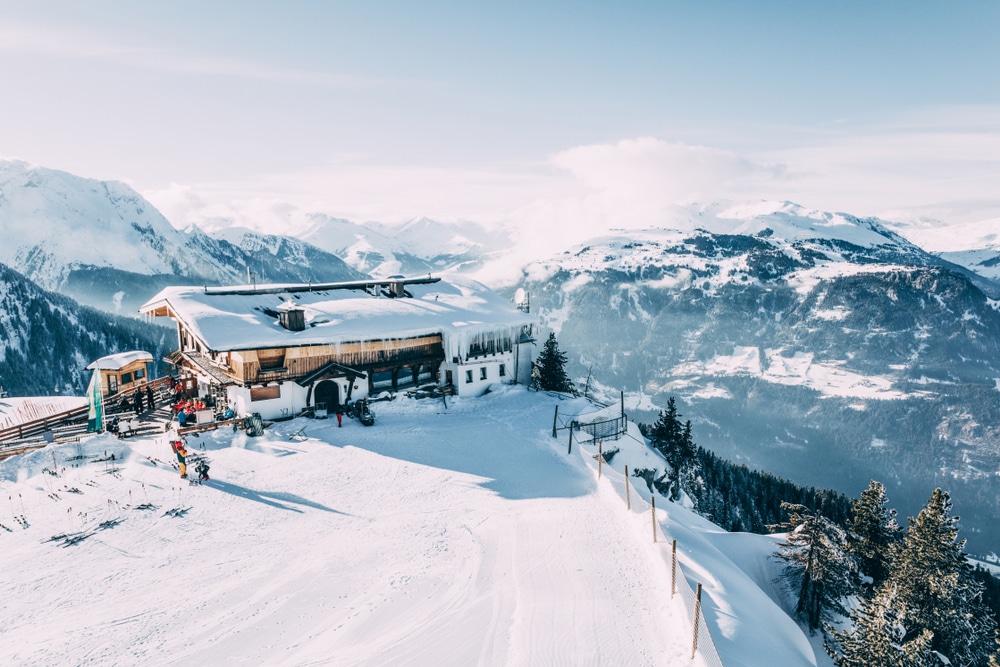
point(292, 316)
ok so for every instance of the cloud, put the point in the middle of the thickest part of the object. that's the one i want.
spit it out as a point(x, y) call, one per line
point(662, 171)
point(636, 183)
point(943, 166)
point(943, 163)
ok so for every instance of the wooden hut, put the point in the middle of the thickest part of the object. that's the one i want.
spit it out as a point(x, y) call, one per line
point(123, 371)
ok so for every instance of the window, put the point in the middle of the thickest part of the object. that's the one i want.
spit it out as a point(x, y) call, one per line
point(468, 377)
point(265, 393)
point(126, 378)
point(503, 370)
point(139, 374)
point(271, 359)
point(381, 379)
point(482, 372)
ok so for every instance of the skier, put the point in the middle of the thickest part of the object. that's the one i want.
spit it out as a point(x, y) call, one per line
point(340, 415)
point(202, 470)
point(178, 447)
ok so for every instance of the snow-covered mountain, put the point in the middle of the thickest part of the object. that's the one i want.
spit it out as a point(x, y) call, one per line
point(976, 246)
point(103, 244)
point(417, 247)
point(819, 346)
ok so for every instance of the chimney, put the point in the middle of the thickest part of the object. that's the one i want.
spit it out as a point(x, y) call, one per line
point(292, 316)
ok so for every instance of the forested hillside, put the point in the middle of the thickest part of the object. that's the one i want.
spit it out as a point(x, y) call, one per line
point(47, 340)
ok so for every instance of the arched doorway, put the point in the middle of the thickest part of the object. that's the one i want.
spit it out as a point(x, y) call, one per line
point(327, 393)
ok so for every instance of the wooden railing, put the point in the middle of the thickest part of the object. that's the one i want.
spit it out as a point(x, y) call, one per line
point(38, 427)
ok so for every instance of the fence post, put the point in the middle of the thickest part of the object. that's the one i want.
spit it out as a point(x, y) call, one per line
point(697, 612)
point(555, 418)
point(652, 513)
point(673, 569)
point(628, 496)
point(569, 450)
point(600, 456)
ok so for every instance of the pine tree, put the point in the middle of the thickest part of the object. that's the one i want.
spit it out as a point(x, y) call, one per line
point(548, 372)
point(937, 590)
point(676, 443)
point(878, 637)
point(873, 534)
point(816, 564)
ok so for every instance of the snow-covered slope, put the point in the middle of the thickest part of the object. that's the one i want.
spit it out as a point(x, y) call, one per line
point(440, 536)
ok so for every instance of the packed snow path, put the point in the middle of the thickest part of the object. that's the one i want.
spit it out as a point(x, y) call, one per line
point(438, 537)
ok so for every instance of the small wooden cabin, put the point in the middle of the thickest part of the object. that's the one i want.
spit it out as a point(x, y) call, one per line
point(123, 371)
point(278, 349)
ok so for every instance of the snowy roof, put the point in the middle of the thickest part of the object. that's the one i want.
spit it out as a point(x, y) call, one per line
point(241, 318)
point(114, 362)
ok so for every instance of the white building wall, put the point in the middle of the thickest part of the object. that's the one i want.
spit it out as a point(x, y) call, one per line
point(291, 400)
point(473, 377)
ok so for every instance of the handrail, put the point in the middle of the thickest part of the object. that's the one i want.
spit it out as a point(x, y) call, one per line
point(41, 424)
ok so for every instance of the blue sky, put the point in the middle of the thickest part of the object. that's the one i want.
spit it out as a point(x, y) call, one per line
point(517, 110)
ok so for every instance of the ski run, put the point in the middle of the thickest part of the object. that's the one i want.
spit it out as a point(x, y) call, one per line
point(458, 534)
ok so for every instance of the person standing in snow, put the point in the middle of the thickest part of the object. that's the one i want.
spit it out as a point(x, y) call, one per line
point(340, 415)
point(149, 398)
point(137, 400)
point(181, 452)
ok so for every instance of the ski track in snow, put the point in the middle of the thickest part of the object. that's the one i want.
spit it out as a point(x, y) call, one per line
point(438, 537)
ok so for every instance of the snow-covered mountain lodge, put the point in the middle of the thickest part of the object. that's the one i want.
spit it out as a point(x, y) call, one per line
point(279, 349)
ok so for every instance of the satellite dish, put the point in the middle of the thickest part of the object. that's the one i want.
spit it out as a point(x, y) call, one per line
point(519, 295)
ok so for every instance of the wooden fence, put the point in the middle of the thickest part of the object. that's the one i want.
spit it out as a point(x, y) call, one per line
point(702, 643)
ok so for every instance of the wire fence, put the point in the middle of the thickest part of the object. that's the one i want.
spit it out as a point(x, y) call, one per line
point(606, 422)
point(701, 637)
point(606, 429)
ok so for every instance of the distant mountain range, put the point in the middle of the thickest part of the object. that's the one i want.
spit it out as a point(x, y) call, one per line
point(104, 245)
point(417, 247)
point(821, 346)
point(975, 246)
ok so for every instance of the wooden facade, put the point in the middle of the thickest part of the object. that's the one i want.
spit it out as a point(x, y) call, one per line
point(122, 372)
point(270, 364)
